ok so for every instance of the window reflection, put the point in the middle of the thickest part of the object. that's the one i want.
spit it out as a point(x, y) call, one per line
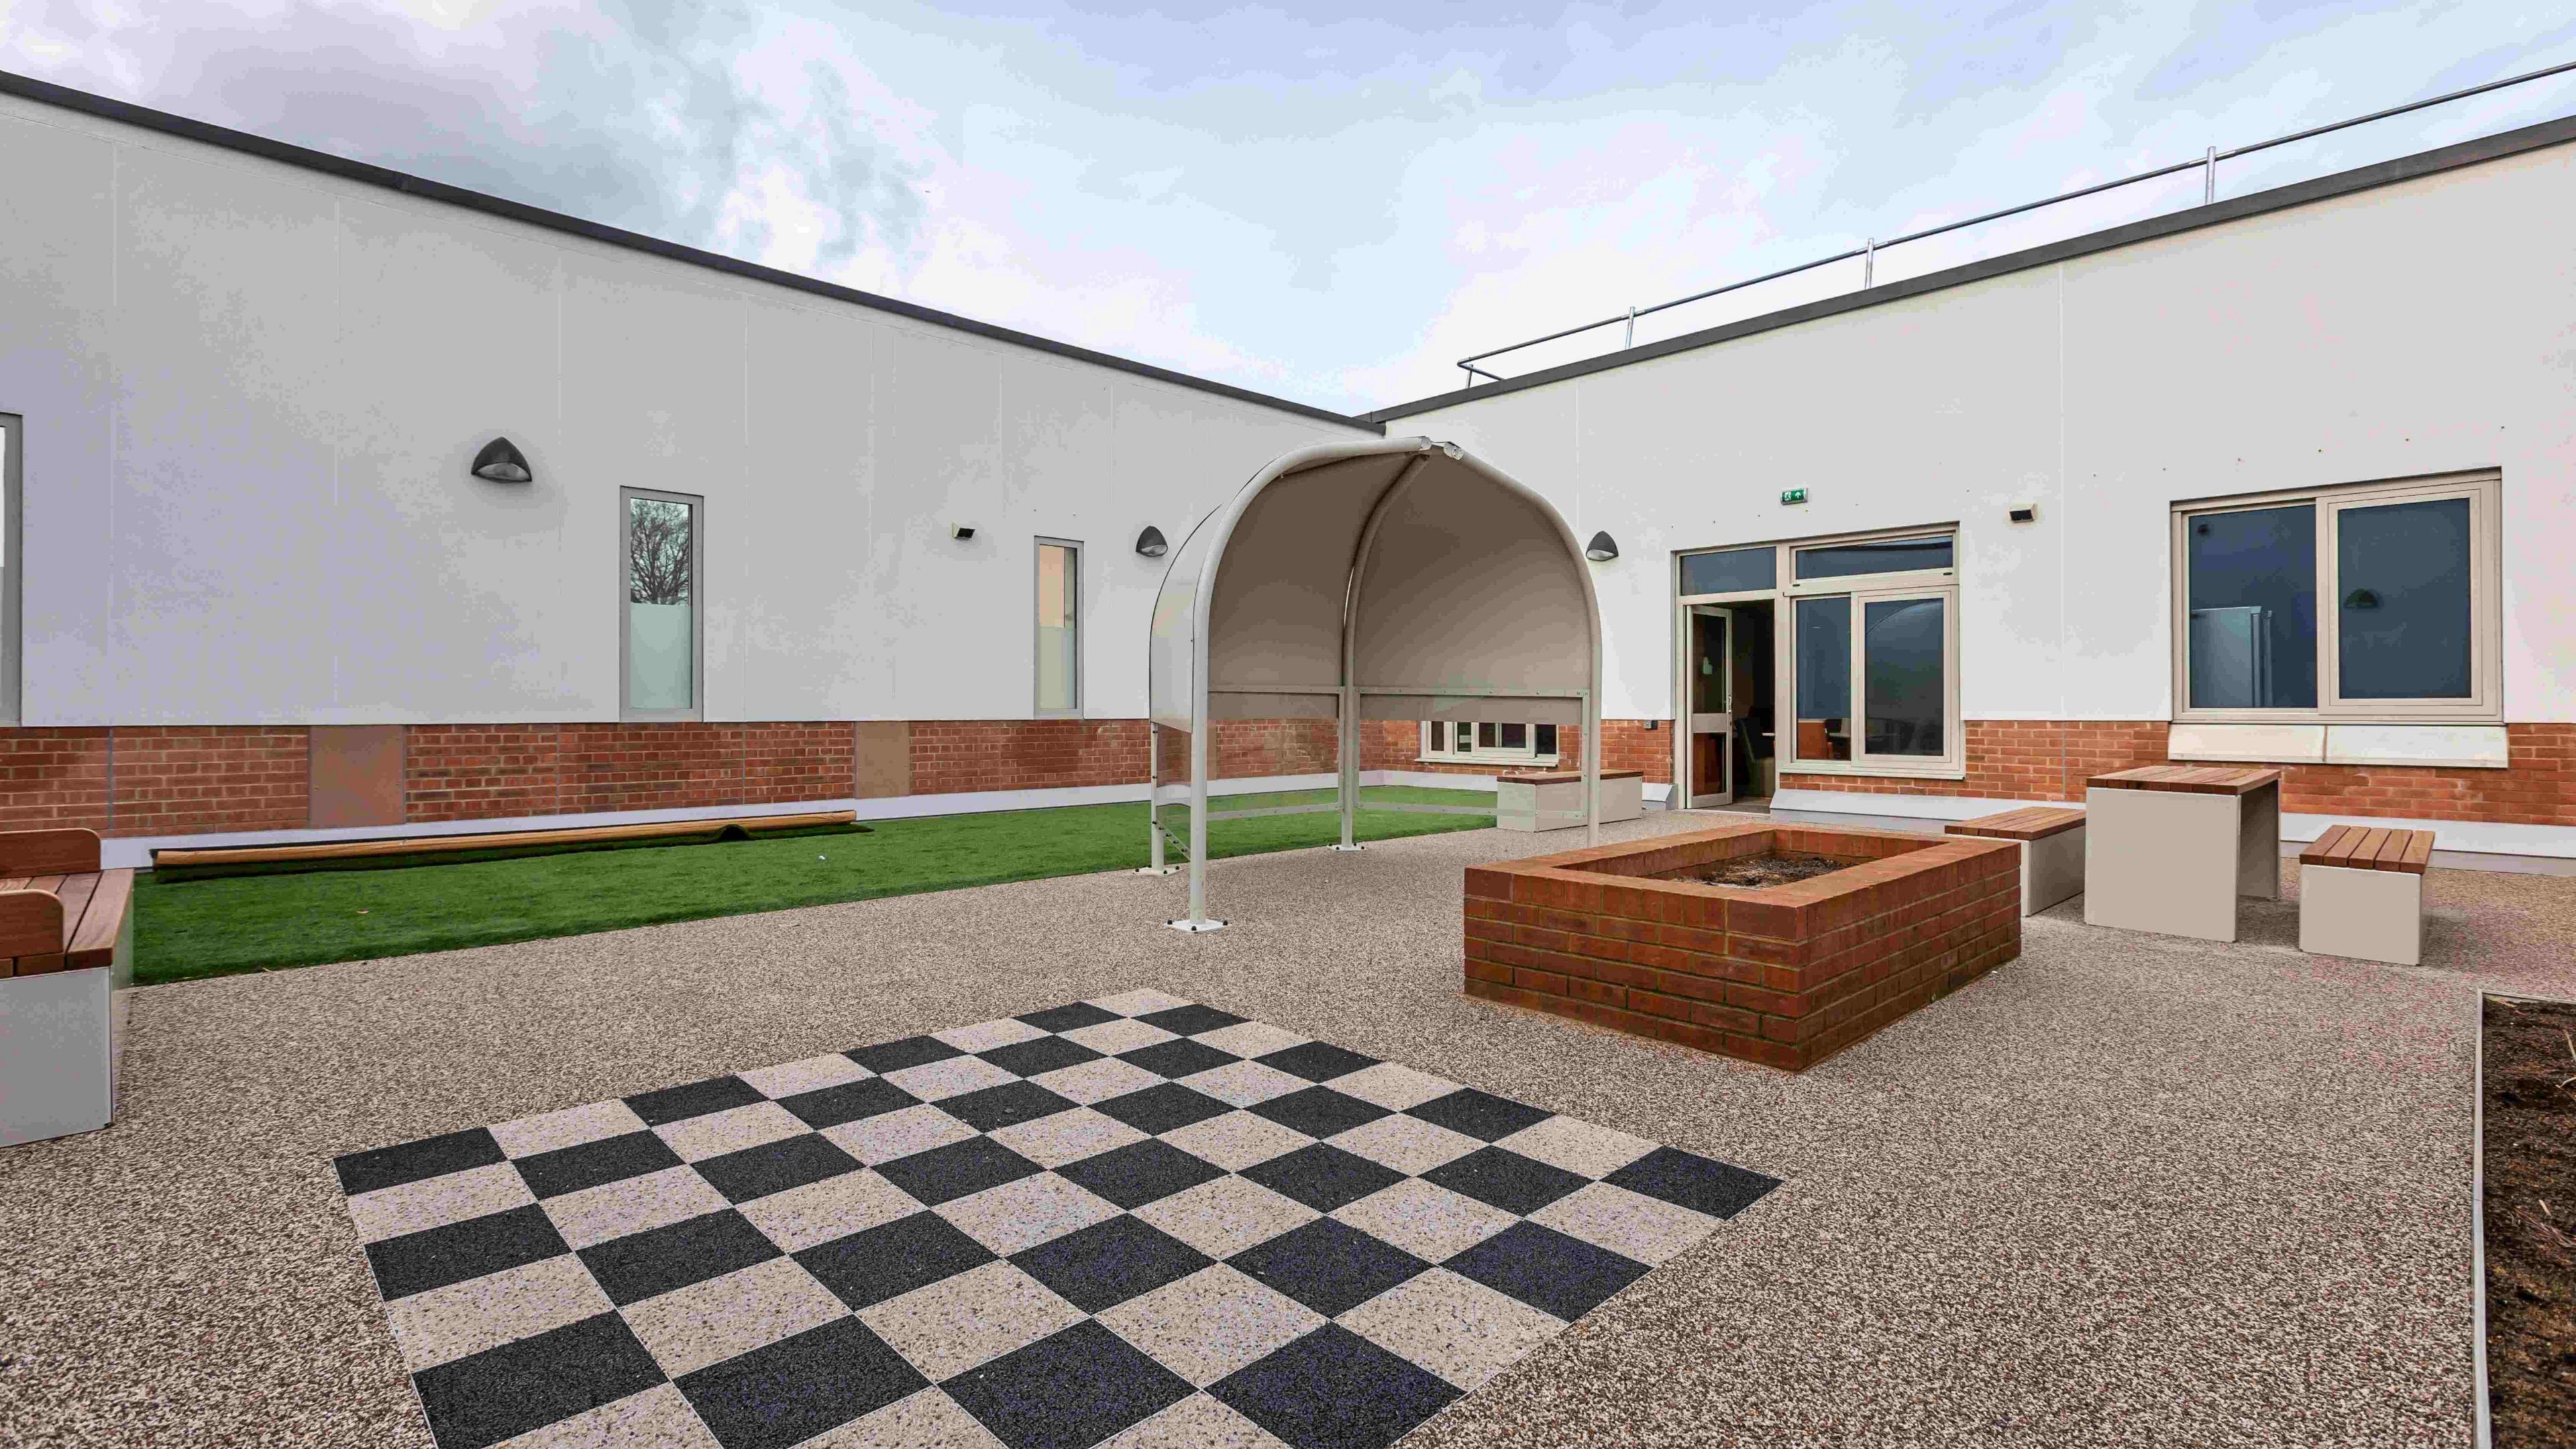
point(1906, 695)
point(1824, 679)
point(2402, 586)
point(2252, 584)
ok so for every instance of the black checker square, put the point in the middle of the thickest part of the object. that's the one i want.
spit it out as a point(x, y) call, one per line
point(1329, 1266)
point(1140, 1172)
point(1480, 1115)
point(1007, 1105)
point(1079, 1387)
point(1181, 1058)
point(800, 1386)
point(1333, 1389)
point(756, 1172)
point(642, 1265)
point(417, 1161)
point(1502, 1178)
point(693, 1099)
point(1323, 1176)
point(892, 1259)
point(1547, 1270)
point(1191, 1020)
point(1069, 1390)
point(504, 1392)
point(436, 1257)
point(1686, 1179)
point(894, 1056)
point(1046, 1054)
point(1070, 1017)
point(1099, 1267)
point(849, 1102)
point(595, 1164)
point(1167, 1108)
point(1317, 1061)
point(1319, 1111)
point(946, 1173)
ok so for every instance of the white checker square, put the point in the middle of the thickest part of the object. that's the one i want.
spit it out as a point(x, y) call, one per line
point(571, 1127)
point(1393, 1087)
point(983, 1036)
point(1407, 1144)
point(1098, 1081)
point(1197, 1422)
point(698, 1138)
point(958, 1322)
point(1223, 1216)
point(890, 1135)
point(1252, 1039)
point(928, 1419)
point(1432, 1223)
point(706, 1323)
point(1242, 1084)
point(613, 1210)
point(813, 1074)
point(1138, 1002)
point(1456, 1327)
point(435, 1202)
point(445, 1324)
point(658, 1418)
point(1627, 1223)
point(1577, 1146)
point(1210, 1323)
point(1062, 1137)
point(1109, 1038)
point(835, 1207)
point(1237, 1140)
point(1025, 1213)
point(955, 1077)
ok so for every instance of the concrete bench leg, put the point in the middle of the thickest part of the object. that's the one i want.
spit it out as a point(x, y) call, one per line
point(58, 1038)
point(2052, 870)
point(2161, 861)
point(2371, 915)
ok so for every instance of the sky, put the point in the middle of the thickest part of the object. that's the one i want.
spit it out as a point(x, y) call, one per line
point(1330, 201)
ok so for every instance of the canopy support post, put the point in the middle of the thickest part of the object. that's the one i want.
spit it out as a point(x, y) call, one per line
point(1197, 919)
point(1592, 757)
point(1346, 780)
point(1153, 795)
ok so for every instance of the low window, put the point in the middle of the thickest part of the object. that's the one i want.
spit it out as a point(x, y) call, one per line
point(664, 651)
point(1494, 744)
point(2377, 601)
point(1059, 647)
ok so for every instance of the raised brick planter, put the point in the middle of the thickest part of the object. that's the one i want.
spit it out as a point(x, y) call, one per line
point(1785, 975)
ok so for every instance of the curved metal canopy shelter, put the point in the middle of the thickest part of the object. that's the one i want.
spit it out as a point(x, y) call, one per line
point(1391, 579)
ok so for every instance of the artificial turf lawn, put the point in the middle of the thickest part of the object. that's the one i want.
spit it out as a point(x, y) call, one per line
point(187, 929)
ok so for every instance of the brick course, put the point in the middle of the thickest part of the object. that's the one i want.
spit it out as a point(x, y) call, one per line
point(169, 780)
point(1626, 744)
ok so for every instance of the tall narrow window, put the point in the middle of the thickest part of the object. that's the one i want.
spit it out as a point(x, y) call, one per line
point(12, 560)
point(1059, 627)
point(1824, 678)
point(1905, 689)
point(2253, 616)
point(664, 626)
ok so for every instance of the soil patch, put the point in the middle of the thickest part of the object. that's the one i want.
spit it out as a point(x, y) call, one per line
point(2531, 1223)
point(1770, 868)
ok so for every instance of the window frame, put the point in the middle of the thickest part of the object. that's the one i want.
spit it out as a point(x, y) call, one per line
point(13, 559)
point(1076, 611)
point(1862, 590)
point(697, 504)
point(1435, 747)
point(2484, 489)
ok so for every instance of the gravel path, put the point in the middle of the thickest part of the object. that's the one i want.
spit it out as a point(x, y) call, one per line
point(2126, 1190)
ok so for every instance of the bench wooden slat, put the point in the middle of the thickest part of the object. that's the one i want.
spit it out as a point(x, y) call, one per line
point(2189, 779)
point(2030, 822)
point(31, 925)
point(48, 852)
point(75, 893)
point(2363, 847)
point(2419, 852)
point(93, 941)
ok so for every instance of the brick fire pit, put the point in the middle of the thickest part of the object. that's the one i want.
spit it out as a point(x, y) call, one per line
point(1785, 975)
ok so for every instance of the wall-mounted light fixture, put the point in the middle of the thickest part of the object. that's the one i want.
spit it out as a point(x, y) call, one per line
point(1602, 548)
point(1151, 544)
point(962, 532)
point(502, 462)
point(2022, 513)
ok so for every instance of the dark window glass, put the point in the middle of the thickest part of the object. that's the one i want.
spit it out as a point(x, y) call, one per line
point(2252, 585)
point(1902, 660)
point(1824, 679)
point(1546, 739)
point(2403, 614)
point(1895, 555)
point(1738, 570)
point(1515, 736)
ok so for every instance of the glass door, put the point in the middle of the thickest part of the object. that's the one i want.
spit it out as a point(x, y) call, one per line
point(1708, 661)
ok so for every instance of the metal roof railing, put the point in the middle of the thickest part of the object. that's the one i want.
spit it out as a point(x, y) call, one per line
point(1867, 252)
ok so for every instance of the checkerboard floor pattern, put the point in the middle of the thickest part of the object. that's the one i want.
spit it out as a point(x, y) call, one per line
point(1137, 1221)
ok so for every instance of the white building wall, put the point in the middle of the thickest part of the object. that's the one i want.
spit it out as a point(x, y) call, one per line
point(2418, 328)
point(252, 391)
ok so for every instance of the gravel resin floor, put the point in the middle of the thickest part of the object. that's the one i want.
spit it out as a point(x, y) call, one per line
point(2126, 1190)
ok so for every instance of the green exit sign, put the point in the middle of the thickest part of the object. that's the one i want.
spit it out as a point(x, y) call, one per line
point(1793, 495)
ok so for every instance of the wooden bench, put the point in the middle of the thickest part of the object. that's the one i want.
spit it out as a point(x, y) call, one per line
point(2172, 848)
point(1553, 799)
point(2361, 893)
point(66, 958)
point(2052, 850)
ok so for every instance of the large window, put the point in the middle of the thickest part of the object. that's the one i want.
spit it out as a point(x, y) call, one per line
point(2369, 602)
point(1459, 742)
point(663, 654)
point(1059, 627)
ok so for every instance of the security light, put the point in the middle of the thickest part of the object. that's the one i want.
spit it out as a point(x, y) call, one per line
point(1602, 548)
point(2023, 513)
point(502, 462)
point(961, 531)
point(1150, 543)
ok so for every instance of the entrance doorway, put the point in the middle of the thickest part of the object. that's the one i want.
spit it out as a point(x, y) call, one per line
point(1727, 753)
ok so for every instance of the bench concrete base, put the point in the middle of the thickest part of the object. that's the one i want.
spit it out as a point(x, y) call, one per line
point(2370, 915)
point(2052, 870)
point(1557, 805)
point(62, 1037)
point(2175, 863)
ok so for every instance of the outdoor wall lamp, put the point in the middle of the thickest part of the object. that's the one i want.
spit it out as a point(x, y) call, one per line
point(1150, 543)
point(1602, 548)
point(502, 462)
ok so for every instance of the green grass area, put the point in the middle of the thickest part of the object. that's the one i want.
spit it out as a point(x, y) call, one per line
point(187, 929)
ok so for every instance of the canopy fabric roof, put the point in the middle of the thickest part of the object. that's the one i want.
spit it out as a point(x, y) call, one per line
point(1396, 578)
